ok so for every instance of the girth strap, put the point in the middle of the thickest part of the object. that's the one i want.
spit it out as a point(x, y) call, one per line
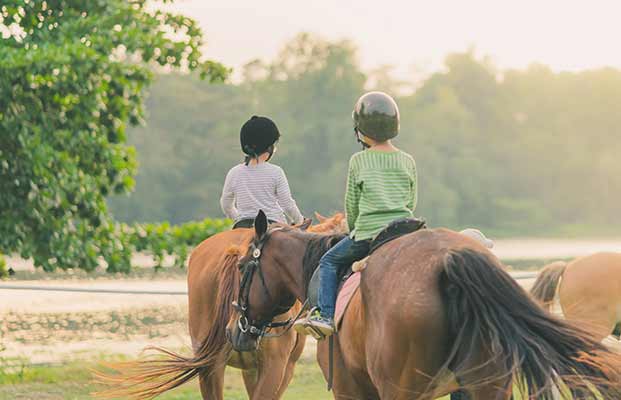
point(331, 361)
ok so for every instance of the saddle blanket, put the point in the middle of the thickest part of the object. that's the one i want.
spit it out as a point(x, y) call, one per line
point(349, 288)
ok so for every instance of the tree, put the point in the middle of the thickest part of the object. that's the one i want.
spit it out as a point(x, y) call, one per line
point(72, 78)
point(309, 90)
point(515, 152)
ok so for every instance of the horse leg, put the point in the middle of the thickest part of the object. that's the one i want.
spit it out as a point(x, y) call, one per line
point(266, 381)
point(250, 380)
point(212, 385)
point(400, 374)
point(344, 385)
point(300, 341)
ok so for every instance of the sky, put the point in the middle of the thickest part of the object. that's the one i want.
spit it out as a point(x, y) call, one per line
point(417, 35)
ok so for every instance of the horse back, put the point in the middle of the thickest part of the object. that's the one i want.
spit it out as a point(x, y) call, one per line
point(596, 275)
point(404, 274)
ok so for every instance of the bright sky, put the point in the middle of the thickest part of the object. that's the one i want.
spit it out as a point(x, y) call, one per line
point(416, 34)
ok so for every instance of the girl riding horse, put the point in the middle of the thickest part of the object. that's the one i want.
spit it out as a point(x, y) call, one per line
point(257, 184)
point(381, 187)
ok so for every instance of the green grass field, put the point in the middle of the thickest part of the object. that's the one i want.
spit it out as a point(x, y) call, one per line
point(73, 381)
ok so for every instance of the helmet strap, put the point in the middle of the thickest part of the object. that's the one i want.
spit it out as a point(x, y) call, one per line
point(359, 139)
point(270, 150)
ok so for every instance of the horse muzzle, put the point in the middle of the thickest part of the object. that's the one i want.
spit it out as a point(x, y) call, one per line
point(241, 341)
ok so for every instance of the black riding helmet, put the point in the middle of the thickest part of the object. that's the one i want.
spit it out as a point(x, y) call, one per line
point(376, 115)
point(258, 135)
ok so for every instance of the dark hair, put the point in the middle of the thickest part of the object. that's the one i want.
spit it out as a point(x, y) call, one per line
point(316, 247)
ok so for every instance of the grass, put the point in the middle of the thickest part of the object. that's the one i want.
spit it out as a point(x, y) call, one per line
point(73, 381)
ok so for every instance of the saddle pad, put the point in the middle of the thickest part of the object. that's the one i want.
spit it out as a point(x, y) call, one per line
point(345, 294)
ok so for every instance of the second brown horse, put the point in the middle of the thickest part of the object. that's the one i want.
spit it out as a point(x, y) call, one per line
point(432, 306)
point(213, 284)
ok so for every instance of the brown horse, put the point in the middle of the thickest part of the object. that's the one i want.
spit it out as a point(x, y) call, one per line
point(213, 284)
point(588, 291)
point(432, 306)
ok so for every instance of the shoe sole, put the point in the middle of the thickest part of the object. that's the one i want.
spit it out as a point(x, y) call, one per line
point(317, 332)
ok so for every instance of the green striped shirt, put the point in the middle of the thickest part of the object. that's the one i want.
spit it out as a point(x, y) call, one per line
point(381, 187)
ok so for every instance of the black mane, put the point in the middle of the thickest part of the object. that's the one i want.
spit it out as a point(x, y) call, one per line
point(316, 247)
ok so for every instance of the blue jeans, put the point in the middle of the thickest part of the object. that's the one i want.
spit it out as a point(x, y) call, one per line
point(339, 257)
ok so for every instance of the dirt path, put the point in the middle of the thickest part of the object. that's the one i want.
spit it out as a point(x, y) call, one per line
point(46, 327)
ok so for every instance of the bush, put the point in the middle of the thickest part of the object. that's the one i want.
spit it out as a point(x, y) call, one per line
point(3, 271)
point(160, 240)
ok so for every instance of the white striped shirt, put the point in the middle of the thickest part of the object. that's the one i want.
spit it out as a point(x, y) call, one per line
point(250, 188)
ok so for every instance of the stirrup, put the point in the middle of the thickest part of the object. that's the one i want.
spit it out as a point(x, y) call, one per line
point(303, 327)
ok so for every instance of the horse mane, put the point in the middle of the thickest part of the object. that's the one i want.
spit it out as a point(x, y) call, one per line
point(316, 247)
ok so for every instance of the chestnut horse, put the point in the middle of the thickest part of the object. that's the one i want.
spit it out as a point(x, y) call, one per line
point(213, 284)
point(433, 308)
point(588, 291)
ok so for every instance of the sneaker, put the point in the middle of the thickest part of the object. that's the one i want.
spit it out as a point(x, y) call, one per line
point(321, 325)
point(301, 327)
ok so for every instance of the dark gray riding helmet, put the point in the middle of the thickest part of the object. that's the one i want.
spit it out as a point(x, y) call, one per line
point(376, 115)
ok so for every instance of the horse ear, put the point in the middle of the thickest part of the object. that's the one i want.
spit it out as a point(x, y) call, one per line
point(260, 224)
point(305, 224)
point(320, 217)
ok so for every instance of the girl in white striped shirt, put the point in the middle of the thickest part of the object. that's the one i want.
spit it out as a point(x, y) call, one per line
point(257, 184)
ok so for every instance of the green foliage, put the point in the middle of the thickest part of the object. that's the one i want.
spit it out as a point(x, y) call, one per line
point(3, 271)
point(164, 239)
point(512, 152)
point(72, 79)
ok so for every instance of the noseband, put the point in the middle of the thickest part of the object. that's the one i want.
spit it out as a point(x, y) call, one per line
point(248, 267)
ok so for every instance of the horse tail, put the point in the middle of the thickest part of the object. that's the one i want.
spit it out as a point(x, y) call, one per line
point(544, 288)
point(488, 313)
point(152, 376)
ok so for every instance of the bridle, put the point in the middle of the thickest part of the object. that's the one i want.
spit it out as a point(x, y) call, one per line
point(249, 267)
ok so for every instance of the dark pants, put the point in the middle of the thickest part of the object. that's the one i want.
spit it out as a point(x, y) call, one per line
point(247, 223)
point(339, 257)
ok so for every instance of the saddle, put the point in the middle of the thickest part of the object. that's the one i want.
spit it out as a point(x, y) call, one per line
point(350, 280)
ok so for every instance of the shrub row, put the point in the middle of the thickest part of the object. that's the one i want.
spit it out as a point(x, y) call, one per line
point(162, 239)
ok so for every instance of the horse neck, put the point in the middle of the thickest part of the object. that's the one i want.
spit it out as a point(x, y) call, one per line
point(300, 259)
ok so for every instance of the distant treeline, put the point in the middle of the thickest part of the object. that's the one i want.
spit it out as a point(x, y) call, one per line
point(517, 152)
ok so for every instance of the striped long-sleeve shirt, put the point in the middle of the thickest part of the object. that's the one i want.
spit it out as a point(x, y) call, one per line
point(264, 186)
point(381, 187)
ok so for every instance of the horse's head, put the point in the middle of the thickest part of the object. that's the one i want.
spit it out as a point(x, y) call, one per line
point(262, 292)
point(274, 272)
point(334, 224)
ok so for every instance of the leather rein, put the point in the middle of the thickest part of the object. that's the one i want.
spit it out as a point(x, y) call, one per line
point(249, 268)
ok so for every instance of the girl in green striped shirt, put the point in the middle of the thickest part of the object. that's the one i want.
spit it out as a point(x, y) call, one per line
point(381, 187)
